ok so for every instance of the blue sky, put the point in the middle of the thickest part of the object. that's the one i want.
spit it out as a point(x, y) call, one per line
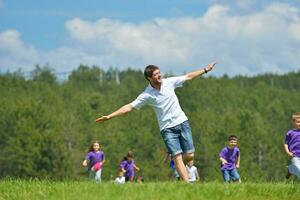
point(246, 37)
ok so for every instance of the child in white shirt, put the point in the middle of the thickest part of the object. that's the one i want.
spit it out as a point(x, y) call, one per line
point(192, 172)
point(121, 178)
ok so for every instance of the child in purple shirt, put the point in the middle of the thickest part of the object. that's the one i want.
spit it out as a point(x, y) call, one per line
point(127, 166)
point(230, 160)
point(94, 160)
point(292, 146)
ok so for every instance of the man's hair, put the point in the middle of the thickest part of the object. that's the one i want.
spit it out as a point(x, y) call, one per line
point(296, 116)
point(149, 71)
point(232, 137)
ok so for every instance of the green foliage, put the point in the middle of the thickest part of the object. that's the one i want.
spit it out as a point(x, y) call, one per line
point(46, 124)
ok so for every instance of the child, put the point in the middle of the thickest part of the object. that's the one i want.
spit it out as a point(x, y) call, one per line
point(192, 172)
point(230, 160)
point(120, 179)
point(127, 166)
point(94, 159)
point(292, 146)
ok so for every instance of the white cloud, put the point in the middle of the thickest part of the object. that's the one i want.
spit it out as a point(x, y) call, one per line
point(264, 41)
point(14, 52)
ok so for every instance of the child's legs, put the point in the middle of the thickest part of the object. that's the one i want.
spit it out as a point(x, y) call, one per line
point(175, 173)
point(129, 178)
point(294, 167)
point(226, 175)
point(234, 175)
point(98, 175)
point(92, 175)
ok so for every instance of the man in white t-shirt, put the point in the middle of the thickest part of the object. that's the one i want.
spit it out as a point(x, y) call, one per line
point(173, 123)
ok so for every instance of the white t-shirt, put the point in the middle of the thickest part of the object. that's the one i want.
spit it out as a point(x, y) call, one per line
point(120, 180)
point(192, 172)
point(164, 102)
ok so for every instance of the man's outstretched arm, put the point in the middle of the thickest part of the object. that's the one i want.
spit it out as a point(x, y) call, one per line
point(192, 75)
point(121, 111)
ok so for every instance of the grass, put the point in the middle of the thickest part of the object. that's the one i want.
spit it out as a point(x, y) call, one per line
point(24, 189)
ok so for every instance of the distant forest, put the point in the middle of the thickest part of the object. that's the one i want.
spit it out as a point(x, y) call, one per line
point(46, 124)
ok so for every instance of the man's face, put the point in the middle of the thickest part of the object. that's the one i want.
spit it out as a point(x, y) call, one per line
point(156, 77)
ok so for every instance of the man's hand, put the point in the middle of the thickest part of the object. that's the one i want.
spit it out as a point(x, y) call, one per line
point(102, 118)
point(210, 66)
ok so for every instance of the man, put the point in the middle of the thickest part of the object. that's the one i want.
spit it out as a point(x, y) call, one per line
point(173, 123)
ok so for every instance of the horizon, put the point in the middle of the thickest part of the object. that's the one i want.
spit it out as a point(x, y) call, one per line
point(65, 74)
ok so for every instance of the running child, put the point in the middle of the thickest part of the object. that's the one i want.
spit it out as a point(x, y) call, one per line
point(94, 160)
point(127, 166)
point(230, 160)
point(292, 146)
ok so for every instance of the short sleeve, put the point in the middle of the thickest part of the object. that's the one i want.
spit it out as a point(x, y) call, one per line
point(88, 156)
point(140, 101)
point(222, 153)
point(287, 138)
point(123, 164)
point(237, 152)
point(177, 81)
point(103, 156)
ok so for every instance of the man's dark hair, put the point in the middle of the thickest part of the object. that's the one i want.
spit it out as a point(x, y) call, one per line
point(149, 71)
point(232, 137)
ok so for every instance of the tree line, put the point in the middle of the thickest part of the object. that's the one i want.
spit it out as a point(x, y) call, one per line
point(46, 125)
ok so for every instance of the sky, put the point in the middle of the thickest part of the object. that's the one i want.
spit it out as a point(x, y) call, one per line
point(245, 37)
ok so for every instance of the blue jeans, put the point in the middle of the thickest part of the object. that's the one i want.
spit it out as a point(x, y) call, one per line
point(230, 175)
point(294, 167)
point(178, 139)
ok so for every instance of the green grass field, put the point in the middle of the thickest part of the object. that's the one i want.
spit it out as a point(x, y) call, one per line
point(31, 190)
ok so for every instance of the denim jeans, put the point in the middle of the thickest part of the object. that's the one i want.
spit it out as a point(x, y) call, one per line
point(178, 139)
point(294, 167)
point(230, 175)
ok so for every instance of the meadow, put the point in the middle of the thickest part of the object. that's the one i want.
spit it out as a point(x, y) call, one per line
point(36, 189)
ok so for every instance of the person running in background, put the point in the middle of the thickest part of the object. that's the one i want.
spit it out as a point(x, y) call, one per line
point(94, 160)
point(192, 172)
point(292, 146)
point(230, 160)
point(128, 167)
